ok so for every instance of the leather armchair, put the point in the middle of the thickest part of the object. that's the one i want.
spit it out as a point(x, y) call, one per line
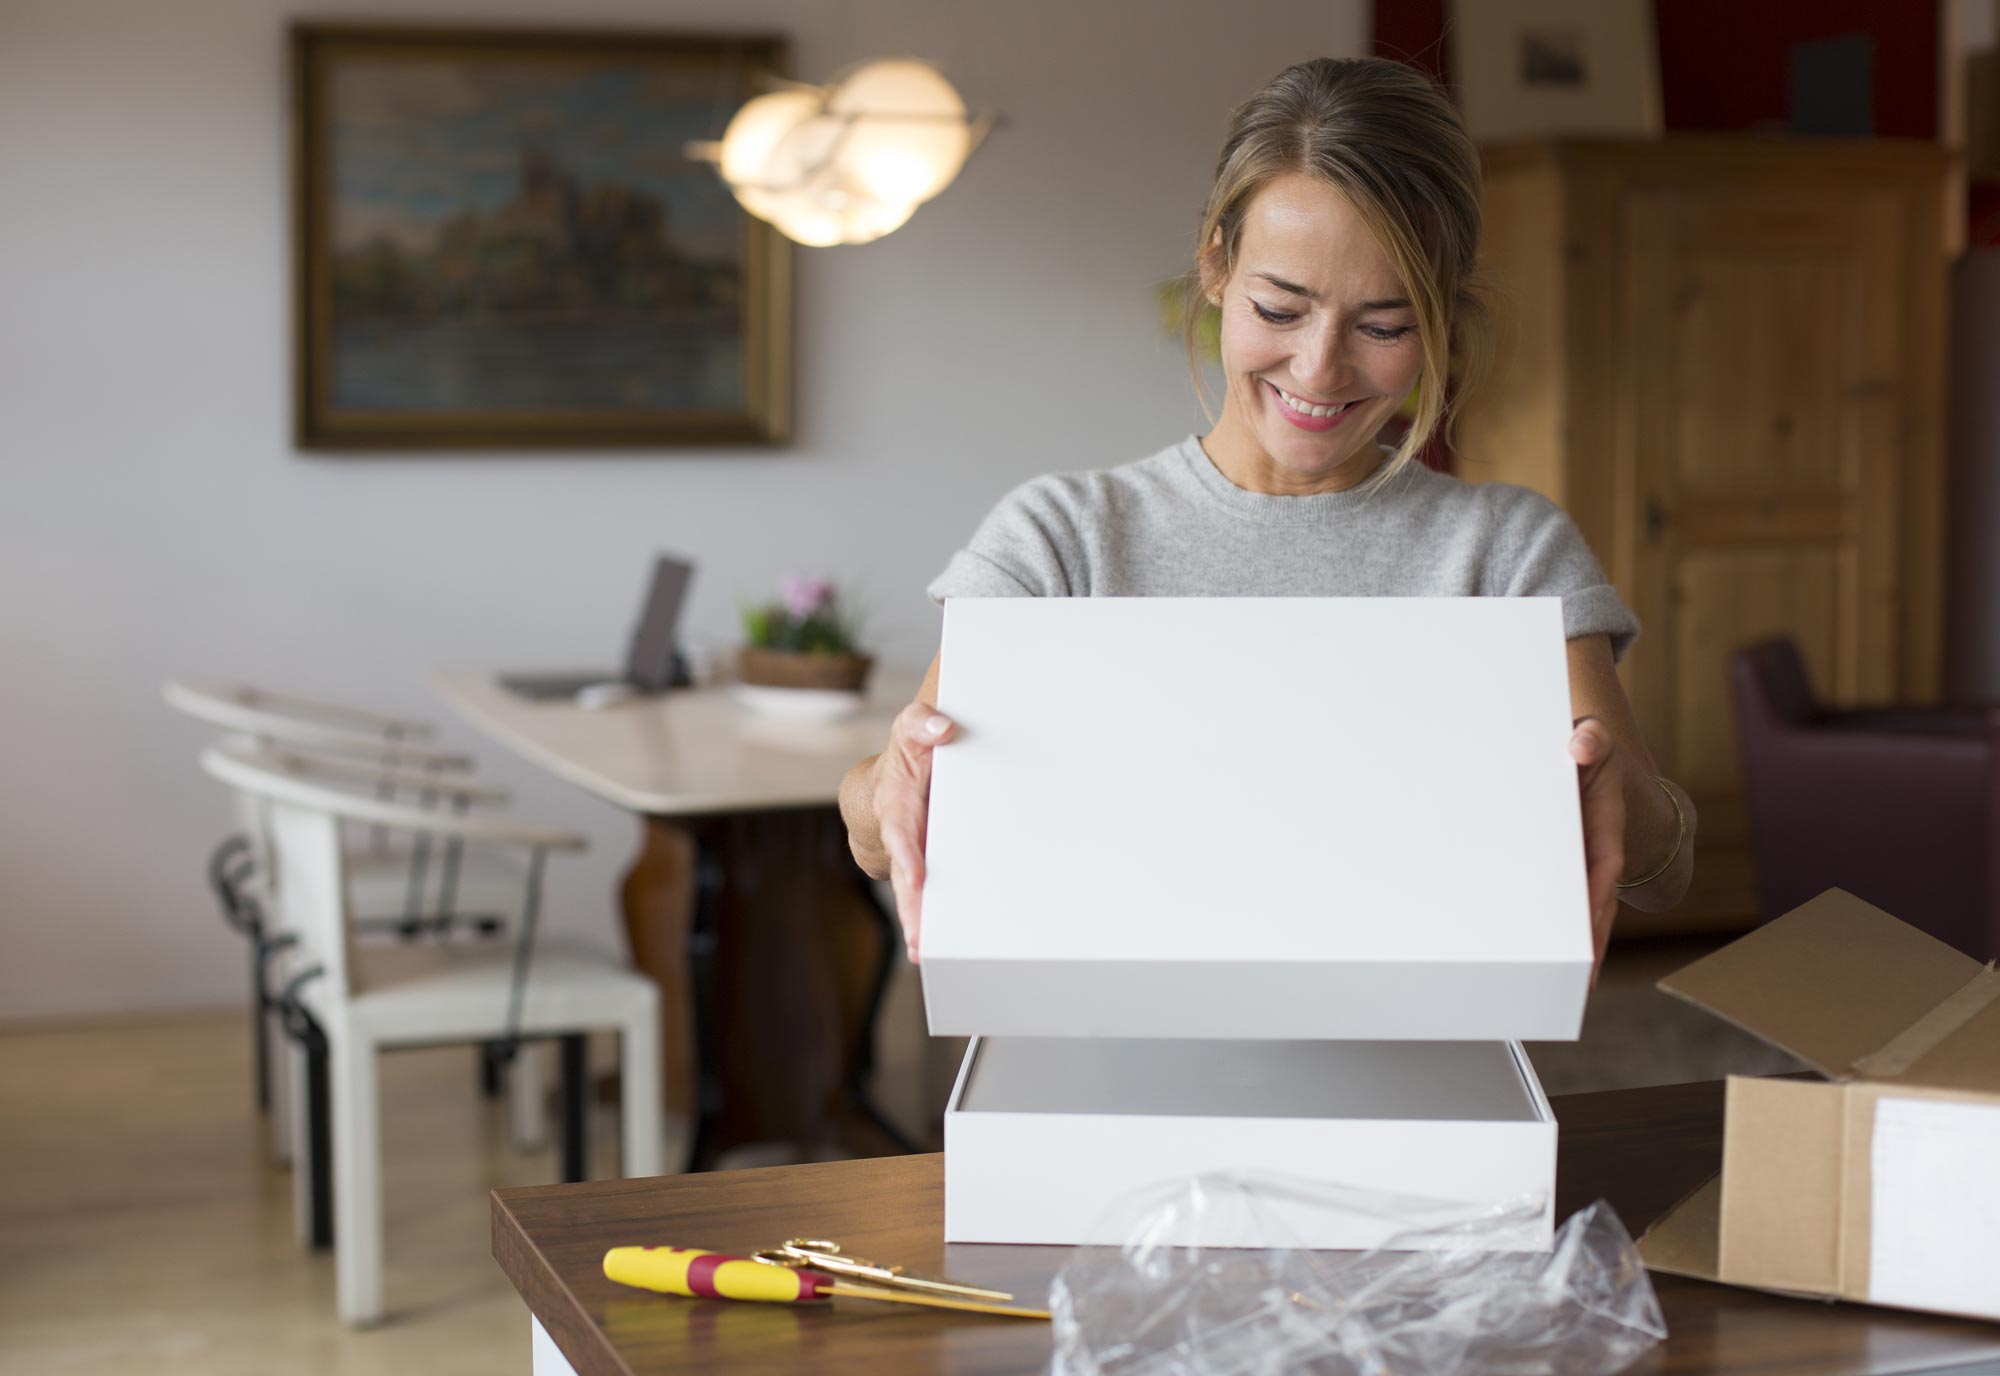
point(1898, 805)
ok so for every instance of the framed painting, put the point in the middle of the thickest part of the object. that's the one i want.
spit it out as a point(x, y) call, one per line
point(1529, 69)
point(501, 241)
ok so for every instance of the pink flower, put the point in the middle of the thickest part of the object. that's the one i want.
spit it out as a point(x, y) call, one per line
point(805, 594)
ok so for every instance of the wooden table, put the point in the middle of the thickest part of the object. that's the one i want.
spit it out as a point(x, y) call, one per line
point(1642, 1149)
point(743, 902)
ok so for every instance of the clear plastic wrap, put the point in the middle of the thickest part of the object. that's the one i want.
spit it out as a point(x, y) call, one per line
point(1441, 1294)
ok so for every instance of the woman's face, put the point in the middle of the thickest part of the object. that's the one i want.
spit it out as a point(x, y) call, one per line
point(1319, 344)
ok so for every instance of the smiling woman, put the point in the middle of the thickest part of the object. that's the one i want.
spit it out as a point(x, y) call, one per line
point(1339, 244)
point(1345, 211)
point(1319, 348)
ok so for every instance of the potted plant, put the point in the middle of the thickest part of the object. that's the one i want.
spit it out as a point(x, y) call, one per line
point(805, 639)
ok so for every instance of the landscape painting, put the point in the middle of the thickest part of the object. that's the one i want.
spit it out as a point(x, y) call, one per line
point(504, 241)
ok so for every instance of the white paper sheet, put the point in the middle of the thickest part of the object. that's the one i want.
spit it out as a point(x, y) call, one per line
point(1934, 1223)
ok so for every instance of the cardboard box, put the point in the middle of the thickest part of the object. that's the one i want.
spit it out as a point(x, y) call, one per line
point(1881, 1181)
point(1262, 818)
point(1042, 1136)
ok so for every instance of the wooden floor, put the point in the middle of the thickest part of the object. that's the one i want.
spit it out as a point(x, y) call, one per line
point(145, 1229)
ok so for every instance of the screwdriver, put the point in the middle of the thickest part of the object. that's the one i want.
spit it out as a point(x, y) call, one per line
point(719, 1276)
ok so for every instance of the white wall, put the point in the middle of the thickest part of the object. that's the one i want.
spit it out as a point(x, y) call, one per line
point(156, 521)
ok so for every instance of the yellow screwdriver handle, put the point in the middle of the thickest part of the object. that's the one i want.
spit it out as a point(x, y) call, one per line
point(710, 1275)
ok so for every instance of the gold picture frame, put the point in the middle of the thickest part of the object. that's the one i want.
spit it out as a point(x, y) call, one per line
point(499, 241)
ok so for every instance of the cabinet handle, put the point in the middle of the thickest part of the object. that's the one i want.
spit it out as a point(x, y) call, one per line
point(1656, 519)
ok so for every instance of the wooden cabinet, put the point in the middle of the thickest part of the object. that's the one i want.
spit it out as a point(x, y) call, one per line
point(1725, 358)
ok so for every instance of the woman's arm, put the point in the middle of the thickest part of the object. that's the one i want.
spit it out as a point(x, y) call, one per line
point(885, 801)
point(1630, 824)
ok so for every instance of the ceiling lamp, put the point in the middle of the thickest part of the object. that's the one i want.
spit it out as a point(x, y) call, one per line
point(847, 162)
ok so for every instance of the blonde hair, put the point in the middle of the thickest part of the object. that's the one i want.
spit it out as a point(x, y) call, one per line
point(1387, 139)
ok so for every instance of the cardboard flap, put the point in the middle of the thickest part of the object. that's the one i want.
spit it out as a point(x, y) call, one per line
point(1832, 981)
point(1687, 1239)
point(1955, 1046)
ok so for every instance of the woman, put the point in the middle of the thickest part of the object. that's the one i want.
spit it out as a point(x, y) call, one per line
point(1339, 244)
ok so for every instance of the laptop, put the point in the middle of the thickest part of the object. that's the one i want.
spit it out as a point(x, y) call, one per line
point(652, 663)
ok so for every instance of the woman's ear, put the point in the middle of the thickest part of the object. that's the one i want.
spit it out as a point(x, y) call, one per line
point(1214, 275)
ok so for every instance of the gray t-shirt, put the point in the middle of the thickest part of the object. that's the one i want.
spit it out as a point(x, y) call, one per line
point(1174, 526)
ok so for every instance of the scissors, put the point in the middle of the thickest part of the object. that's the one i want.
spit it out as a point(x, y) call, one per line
point(818, 1254)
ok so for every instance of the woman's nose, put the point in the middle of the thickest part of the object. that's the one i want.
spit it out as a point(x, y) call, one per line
point(1322, 362)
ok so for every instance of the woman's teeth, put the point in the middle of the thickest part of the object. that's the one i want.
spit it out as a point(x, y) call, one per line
point(1306, 408)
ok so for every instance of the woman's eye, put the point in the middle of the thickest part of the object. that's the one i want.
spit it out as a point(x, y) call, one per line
point(1387, 334)
point(1274, 317)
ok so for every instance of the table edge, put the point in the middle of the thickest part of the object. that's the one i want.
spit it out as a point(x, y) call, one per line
point(582, 1342)
point(448, 683)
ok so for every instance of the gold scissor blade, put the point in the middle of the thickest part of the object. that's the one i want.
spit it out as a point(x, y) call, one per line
point(827, 1257)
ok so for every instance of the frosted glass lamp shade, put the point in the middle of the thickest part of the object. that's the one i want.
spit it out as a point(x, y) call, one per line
point(849, 163)
point(909, 134)
point(831, 216)
point(803, 222)
point(757, 130)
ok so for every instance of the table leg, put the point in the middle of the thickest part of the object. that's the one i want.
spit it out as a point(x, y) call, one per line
point(544, 1357)
point(576, 1106)
point(659, 900)
point(861, 1062)
point(772, 960)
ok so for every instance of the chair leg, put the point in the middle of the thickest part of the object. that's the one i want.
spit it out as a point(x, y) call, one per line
point(489, 1071)
point(301, 1140)
point(357, 1180)
point(261, 1040)
point(639, 1107)
point(576, 1108)
point(282, 1080)
point(527, 1098)
point(316, 1140)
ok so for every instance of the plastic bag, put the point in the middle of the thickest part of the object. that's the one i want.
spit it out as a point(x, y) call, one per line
point(1440, 1294)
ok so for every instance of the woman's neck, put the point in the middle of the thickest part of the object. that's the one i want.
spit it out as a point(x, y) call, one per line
point(1238, 455)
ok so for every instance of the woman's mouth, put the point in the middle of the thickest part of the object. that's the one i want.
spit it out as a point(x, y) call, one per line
point(1309, 415)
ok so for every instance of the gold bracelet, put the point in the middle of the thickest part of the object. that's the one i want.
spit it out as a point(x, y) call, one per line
point(1680, 836)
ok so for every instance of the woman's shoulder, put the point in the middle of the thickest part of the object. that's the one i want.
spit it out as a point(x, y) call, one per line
point(1083, 495)
point(1494, 505)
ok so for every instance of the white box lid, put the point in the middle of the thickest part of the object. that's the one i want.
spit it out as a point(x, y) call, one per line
point(1318, 818)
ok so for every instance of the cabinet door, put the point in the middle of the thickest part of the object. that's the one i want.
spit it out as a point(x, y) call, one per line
point(1762, 401)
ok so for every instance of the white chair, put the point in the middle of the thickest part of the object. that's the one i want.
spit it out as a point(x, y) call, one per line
point(395, 885)
point(365, 999)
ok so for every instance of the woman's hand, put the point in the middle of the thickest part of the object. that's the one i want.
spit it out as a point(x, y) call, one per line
point(1599, 778)
point(902, 798)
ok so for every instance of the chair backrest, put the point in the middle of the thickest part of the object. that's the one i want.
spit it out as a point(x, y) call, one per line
point(254, 714)
point(1900, 815)
point(301, 818)
point(256, 717)
point(1770, 683)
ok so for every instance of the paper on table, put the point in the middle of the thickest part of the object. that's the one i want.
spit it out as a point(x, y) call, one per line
point(1934, 1221)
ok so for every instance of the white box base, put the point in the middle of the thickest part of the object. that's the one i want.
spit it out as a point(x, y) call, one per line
point(1043, 1135)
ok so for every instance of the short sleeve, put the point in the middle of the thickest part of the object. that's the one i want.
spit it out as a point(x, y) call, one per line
point(1026, 547)
point(1541, 553)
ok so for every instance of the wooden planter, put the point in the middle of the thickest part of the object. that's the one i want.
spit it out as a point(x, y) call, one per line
point(796, 669)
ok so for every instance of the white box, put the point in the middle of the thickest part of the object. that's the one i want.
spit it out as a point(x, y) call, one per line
point(1263, 818)
point(1251, 884)
point(1042, 1136)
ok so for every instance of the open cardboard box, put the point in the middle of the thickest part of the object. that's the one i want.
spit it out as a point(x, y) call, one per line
point(1880, 1182)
